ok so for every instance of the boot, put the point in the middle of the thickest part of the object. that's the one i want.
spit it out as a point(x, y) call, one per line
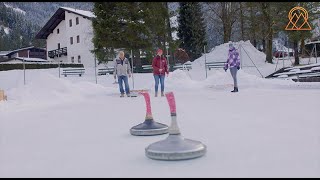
point(162, 94)
point(128, 95)
point(122, 95)
point(235, 89)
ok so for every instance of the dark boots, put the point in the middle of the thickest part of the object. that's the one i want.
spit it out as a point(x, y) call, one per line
point(235, 89)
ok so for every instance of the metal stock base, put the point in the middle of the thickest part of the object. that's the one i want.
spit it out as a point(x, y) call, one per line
point(149, 128)
point(175, 147)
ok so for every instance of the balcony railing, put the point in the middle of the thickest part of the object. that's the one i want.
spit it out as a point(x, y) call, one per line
point(58, 52)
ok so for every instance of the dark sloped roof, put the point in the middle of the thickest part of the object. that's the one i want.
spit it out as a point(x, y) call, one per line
point(8, 53)
point(57, 17)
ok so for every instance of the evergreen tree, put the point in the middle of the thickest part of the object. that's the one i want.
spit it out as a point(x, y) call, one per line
point(191, 30)
point(131, 25)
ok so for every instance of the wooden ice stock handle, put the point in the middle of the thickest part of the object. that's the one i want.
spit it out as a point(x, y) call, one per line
point(148, 104)
point(172, 103)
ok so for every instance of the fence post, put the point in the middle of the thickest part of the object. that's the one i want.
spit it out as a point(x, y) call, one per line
point(24, 72)
point(205, 61)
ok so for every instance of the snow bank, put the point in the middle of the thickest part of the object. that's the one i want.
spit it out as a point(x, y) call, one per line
point(251, 58)
point(221, 80)
point(47, 89)
point(181, 80)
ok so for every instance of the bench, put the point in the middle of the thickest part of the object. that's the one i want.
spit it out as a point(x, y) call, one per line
point(143, 69)
point(147, 67)
point(105, 71)
point(186, 66)
point(210, 65)
point(73, 71)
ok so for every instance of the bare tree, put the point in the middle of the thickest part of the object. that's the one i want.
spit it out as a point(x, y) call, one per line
point(227, 13)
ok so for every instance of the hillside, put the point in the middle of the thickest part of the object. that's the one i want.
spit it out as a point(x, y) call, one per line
point(20, 21)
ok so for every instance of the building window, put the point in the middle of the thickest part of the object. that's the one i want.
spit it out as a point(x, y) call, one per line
point(70, 22)
point(71, 40)
point(79, 59)
point(58, 45)
point(77, 20)
point(72, 59)
point(78, 39)
point(58, 31)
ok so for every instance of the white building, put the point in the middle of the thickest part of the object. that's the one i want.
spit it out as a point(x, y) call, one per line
point(69, 34)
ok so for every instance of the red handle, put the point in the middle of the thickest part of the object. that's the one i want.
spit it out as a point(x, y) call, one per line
point(148, 104)
point(172, 102)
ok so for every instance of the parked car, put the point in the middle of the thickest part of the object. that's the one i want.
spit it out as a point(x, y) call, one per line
point(278, 54)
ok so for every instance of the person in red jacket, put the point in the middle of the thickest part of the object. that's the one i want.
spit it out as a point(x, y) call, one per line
point(160, 68)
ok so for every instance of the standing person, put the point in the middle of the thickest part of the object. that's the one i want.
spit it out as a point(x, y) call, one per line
point(122, 70)
point(233, 63)
point(160, 68)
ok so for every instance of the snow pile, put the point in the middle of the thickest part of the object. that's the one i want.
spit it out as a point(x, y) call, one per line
point(220, 54)
point(221, 80)
point(251, 58)
point(181, 80)
point(46, 89)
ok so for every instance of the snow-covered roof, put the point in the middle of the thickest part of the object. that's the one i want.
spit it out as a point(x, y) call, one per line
point(59, 16)
point(4, 53)
point(25, 59)
point(80, 12)
point(31, 59)
point(7, 53)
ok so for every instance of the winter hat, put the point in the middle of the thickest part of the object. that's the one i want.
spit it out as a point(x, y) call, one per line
point(159, 50)
point(230, 44)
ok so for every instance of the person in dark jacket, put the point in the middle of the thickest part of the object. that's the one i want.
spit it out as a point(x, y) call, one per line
point(160, 68)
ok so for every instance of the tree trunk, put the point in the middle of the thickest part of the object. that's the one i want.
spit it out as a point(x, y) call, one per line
point(225, 34)
point(241, 21)
point(269, 50)
point(255, 42)
point(136, 58)
point(302, 48)
point(264, 45)
point(266, 10)
point(296, 52)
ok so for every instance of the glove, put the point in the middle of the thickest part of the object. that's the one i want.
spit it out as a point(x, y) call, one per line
point(238, 67)
point(225, 69)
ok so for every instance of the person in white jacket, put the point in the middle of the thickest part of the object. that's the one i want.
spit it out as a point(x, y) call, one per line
point(122, 70)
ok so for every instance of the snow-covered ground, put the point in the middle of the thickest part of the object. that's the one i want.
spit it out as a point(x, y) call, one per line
point(73, 127)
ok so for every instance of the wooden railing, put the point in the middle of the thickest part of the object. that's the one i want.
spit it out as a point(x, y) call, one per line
point(58, 52)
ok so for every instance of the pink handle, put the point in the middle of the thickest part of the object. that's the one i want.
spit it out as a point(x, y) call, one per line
point(148, 104)
point(172, 102)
